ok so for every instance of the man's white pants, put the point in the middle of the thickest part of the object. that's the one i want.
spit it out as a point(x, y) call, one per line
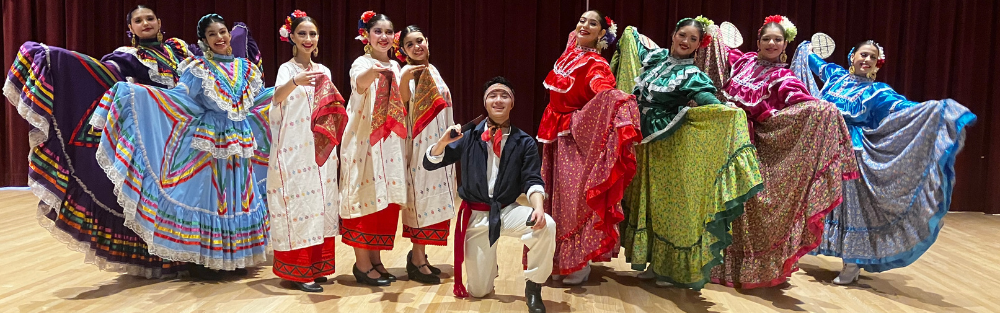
point(481, 258)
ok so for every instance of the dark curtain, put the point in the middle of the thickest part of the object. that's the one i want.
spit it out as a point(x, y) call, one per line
point(935, 49)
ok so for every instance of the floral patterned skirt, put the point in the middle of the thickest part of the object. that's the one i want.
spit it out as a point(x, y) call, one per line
point(687, 191)
point(805, 156)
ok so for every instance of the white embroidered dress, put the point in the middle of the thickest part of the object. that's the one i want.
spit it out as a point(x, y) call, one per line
point(374, 174)
point(302, 197)
point(431, 193)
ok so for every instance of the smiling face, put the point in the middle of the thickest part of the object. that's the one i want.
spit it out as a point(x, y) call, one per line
point(380, 36)
point(864, 60)
point(415, 47)
point(144, 23)
point(686, 40)
point(217, 38)
point(305, 37)
point(771, 43)
point(498, 104)
point(588, 29)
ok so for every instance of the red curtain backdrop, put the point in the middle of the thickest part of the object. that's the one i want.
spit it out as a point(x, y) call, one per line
point(935, 49)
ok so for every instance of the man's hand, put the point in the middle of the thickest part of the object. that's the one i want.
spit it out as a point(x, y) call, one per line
point(538, 216)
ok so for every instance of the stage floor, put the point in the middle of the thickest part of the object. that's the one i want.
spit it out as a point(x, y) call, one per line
point(960, 273)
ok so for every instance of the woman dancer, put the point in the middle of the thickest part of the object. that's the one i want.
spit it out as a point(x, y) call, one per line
point(588, 131)
point(303, 195)
point(57, 91)
point(183, 174)
point(431, 198)
point(374, 175)
point(696, 164)
point(900, 145)
point(805, 155)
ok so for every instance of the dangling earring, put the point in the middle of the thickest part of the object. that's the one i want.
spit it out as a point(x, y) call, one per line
point(159, 37)
point(133, 40)
point(851, 69)
point(368, 49)
point(295, 50)
point(229, 50)
point(871, 75)
point(315, 51)
point(784, 57)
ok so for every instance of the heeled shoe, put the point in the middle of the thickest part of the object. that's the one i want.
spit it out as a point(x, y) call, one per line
point(848, 275)
point(413, 271)
point(386, 274)
point(577, 277)
point(321, 279)
point(434, 270)
point(308, 287)
point(363, 278)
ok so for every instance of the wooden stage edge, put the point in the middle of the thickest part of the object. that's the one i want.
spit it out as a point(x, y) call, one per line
point(960, 273)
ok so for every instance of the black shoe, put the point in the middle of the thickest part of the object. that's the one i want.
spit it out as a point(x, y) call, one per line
point(203, 273)
point(363, 278)
point(434, 270)
point(321, 279)
point(385, 275)
point(533, 297)
point(415, 274)
point(241, 272)
point(307, 287)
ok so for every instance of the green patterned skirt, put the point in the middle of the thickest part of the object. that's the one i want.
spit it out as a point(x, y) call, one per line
point(687, 191)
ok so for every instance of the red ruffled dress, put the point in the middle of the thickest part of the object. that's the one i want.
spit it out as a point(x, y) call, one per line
point(588, 130)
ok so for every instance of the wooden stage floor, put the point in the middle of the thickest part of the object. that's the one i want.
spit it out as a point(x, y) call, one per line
point(960, 273)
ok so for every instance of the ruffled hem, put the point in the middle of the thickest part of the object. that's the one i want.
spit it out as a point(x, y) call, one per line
point(814, 225)
point(605, 196)
point(250, 226)
point(718, 226)
point(90, 254)
point(148, 235)
point(945, 163)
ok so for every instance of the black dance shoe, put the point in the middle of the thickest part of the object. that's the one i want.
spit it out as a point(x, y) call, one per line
point(413, 271)
point(363, 278)
point(386, 275)
point(308, 287)
point(434, 270)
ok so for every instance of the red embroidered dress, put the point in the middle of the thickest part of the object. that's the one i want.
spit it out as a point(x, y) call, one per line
point(588, 131)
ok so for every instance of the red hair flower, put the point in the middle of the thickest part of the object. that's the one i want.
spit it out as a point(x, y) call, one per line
point(361, 36)
point(286, 30)
point(365, 17)
point(609, 21)
point(706, 40)
point(395, 45)
point(773, 18)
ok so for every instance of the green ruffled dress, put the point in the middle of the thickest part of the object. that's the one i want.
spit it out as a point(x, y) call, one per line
point(696, 166)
